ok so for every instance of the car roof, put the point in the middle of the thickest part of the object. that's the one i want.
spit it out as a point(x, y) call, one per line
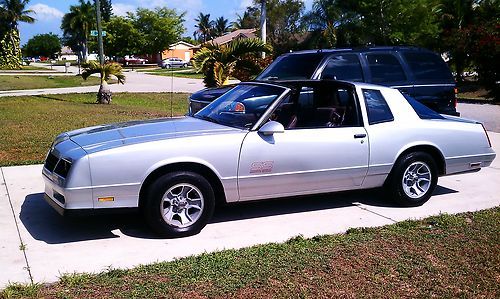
point(295, 83)
point(362, 49)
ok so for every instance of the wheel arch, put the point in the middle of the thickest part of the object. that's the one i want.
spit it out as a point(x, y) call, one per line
point(195, 167)
point(430, 149)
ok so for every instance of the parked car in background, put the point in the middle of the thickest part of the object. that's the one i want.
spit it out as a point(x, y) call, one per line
point(417, 72)
point(260, 141)
point(130, 59)
point(173, 62)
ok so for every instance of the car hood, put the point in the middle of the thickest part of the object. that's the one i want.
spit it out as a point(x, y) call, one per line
point(109, 136)
point(210, 94)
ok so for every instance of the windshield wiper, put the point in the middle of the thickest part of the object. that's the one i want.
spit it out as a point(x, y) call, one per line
point(271, 78)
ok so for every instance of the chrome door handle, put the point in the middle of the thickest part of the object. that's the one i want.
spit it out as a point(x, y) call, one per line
point(359, 136)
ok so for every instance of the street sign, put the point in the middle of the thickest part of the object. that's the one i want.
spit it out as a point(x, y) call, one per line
point(94, 33)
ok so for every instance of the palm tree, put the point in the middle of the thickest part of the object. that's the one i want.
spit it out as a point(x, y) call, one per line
point(221, 26)
point(77, 23)
point(11, 13)
point(219, 62)
point(248, 20)
point(106, 71)
point(324, 17)
point(205, 27)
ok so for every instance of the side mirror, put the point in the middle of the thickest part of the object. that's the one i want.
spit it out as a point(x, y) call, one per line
point(271, 127)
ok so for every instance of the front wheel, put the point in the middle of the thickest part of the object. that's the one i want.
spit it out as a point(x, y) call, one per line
point(413, 179)
point(179, 204)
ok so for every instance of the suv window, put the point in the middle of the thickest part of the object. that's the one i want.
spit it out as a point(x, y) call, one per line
point(343, 67)
point(385, 68)
point(290, 67)
point(428, 67)
point(318, 106)
point(376, 107)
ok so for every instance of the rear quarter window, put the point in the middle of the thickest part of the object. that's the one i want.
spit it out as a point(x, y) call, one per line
point(385, 68)
point(376, 107)
point(343, 67)
point(428, 67)
point(422, 111)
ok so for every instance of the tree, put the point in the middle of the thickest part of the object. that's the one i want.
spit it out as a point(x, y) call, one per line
point(160, 28)
point(43, 45)
point(284, 26)
point(106, 10)
point(219, 62)
point(76, 26)
point(204, 27)
point(104, 96)
point(221, 26)
point(122, 37)
point(249, 19)
point(11, 13)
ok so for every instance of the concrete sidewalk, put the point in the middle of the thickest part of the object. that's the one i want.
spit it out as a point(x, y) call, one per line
point(54, 245)
point(135, 82)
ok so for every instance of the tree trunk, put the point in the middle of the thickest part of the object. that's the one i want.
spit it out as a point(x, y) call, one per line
point(104, 95)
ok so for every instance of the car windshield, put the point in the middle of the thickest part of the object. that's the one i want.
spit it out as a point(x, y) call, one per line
point(292, 67)
point(241, 106)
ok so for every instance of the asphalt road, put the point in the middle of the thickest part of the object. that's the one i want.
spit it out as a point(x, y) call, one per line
point(488, 114)
point(37, 244)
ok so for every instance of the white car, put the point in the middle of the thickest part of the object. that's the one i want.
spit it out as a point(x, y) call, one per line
point(260, 141)
point(173, 62)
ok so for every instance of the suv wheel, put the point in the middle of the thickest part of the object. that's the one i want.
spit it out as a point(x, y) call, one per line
point(179, 204)
point(413, 179)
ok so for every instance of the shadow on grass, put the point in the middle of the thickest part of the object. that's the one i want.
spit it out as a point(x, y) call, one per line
point(45, 224)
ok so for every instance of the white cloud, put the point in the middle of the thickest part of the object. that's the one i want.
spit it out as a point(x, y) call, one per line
point(121, 9)
point(44, 12)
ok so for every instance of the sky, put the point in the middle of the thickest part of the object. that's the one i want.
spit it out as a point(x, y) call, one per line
point(48, 13)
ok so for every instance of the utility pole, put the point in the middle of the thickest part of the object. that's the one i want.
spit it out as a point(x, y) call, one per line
point(263, 23)
point(99, 31)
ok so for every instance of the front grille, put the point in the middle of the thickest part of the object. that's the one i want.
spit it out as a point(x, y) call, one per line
point(59, 197)
point(51, 162)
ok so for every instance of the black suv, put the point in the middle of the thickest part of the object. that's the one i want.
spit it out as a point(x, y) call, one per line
point(416, 72)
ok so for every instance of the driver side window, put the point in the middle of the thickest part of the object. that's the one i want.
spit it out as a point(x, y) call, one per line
point(318, 106)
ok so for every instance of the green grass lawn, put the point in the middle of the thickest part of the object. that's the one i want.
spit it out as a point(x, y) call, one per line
point(28, 124)
point(14, 82)
point(447, 256)
point(33, 68)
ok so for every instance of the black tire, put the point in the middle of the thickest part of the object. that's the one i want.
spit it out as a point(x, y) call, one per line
point(154, 201)
point(395, 187)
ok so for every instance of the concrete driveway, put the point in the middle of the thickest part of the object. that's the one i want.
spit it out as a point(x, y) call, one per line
point(53, 245)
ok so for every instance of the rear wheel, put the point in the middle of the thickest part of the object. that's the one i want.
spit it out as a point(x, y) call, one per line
point(413, 179)
point(179, 204)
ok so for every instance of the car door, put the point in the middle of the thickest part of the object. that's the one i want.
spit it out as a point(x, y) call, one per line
point(320, 150)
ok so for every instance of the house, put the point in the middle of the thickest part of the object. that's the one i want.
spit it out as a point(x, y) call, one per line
point(229, 37)
point(67, 54)
point(237, 34)
point(181, 49)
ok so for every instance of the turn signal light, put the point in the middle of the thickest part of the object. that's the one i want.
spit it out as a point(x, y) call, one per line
point(109, 198)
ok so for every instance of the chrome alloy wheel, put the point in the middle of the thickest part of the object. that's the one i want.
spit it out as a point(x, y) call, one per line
point(417, 179)
point(182, 205)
